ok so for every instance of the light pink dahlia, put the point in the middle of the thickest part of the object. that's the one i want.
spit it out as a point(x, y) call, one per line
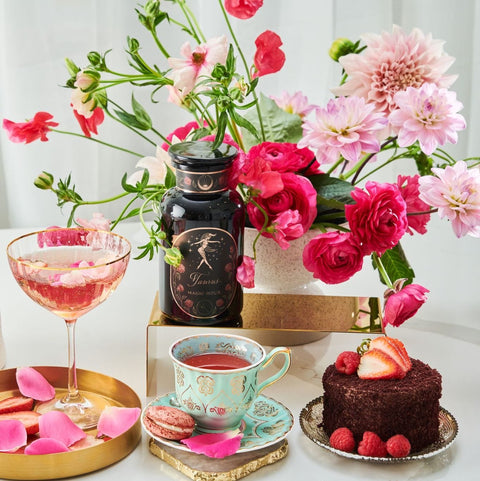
point(455, 191)
point(296, 103)
point(391, 63)
point(347, 127)
point(427, 114)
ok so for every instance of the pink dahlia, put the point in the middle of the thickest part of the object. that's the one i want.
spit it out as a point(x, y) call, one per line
point(427, 114)
point(391, 63)
point(347, 127)
point(455, 191)
point(409, 189)
point(296, 103)
point(196, 63)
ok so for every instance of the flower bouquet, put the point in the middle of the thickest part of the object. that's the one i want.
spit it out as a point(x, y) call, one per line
point(300, 166)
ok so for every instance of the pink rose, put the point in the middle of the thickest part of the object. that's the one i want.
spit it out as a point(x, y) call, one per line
point(403, 304)
point(410, 192)
point(268, 57)
point(243, 9)
point(333, 257)
point(246, 272)
point(297, 194)
point(378, 219)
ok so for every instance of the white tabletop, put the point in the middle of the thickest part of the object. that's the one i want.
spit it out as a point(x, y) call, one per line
point(111, 340)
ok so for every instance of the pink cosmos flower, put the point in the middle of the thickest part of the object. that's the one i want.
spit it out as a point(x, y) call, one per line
point(269, 58)
point(199, 62)
point(409, 189)
point(89, 124)
point(34, 129)
point(427, 114)
point(246, 273)
point(402, 303)
point(347, 127)
point(333, 257)
point(391, 63)
point(243, 9)
point(455, 191)
point(378, 219)
point(156, 166)
point(296, 103)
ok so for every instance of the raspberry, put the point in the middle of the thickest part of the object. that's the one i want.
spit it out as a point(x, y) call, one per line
point(398, 446)
point(347, 362)
point(372, 445)
point(342, 439)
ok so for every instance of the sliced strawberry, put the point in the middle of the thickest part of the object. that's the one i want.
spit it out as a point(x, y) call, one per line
point(394, 348)
point(376, 364)
point(16, 403)
point(28, 418)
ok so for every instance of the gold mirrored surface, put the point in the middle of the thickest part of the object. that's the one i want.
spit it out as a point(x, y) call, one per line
point(73, 463)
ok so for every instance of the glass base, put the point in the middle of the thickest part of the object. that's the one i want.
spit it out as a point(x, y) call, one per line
point(84, 410)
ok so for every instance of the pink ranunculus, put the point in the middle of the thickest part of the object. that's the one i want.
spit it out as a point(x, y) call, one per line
point(347, 127)
point(269, 58)
point(378, 219)
point(455, 191)
point(333, 257)
point(197, 63)
point(242, 9)
point(403, 303)
point(297, 194)
point(295, 103)
point(180, 133)
point(246, 273)
point(409, 189)
point(89, 124)
point(286, 225)
point(391, 63)
point(428, 114)
point(257, 174)
point(34, 129)
point(282, 156)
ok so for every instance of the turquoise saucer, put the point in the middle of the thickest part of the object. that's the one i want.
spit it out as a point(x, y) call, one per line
point(266, 422)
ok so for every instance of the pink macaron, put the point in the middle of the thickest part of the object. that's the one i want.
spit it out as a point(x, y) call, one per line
point(168, 422)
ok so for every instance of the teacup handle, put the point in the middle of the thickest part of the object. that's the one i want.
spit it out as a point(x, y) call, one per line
point(268, 359)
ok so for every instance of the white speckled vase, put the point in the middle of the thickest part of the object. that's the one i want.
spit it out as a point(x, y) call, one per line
point(281, 271)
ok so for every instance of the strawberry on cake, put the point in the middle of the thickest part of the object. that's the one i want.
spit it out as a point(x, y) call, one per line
point(383, 398)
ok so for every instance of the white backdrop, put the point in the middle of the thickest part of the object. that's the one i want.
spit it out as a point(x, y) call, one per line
point(36, 36)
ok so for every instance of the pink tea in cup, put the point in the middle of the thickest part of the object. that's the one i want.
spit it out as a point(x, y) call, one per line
point(216, 361)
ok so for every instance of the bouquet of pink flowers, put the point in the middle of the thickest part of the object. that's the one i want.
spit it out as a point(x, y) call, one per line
point(300, 166)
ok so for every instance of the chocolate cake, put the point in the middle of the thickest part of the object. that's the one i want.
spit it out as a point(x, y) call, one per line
point(408, 406)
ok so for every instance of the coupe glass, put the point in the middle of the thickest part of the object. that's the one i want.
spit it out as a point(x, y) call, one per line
point(69, 271)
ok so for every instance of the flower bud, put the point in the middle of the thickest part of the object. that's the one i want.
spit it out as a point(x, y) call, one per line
point(44, 181)
point(71, 67)
point(95, 59)
point(340, 47)
point(173, 256)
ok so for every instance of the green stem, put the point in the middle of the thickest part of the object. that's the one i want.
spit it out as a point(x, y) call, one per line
point(192, 18)
point(192, 22)
point(97, 141)
point(381, 268)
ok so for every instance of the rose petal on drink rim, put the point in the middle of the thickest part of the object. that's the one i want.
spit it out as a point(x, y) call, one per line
point(57, 425)
point(115, 420)
point(46, 446)
point(13, 435)
point(216, 445)
point(32, 384)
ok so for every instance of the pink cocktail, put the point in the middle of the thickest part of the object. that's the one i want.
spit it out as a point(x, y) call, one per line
point(69, 272)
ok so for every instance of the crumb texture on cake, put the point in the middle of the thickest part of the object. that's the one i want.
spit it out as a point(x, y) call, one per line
point(409, 406)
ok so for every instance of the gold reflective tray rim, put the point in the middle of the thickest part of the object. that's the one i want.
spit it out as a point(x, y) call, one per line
point(73, 463)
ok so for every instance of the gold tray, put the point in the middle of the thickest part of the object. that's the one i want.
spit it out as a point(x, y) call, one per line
point(73, 463)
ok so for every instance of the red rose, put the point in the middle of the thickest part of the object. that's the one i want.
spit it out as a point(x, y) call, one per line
point(378, 220)
point(268, 57)
point(34, 129)
point(409, 189)
point(333, 257)
point(403, 304)
point(89, 125)
point(243, 9)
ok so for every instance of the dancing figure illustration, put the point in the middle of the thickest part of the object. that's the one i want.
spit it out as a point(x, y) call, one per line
point(204, 243)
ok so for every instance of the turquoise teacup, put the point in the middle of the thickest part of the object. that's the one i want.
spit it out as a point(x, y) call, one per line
point(216, 377)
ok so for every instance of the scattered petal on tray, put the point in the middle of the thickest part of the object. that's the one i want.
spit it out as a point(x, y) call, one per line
point(87, 442)
point(46, 446)
point(12, 435)
point(114, 420)
point(32, 384)
point(215, 445)
point(57, 425)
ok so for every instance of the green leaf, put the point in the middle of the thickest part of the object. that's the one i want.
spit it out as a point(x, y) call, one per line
point(396, 265)
point(279, 126)
point(170, 179)
point(141, 114)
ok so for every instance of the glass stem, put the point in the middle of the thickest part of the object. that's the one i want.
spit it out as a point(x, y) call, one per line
point(73, 394)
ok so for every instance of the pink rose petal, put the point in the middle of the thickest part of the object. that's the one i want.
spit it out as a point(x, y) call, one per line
point(32, 384)
point(13, 435)
point(57, 425)
point(46, 446)
point(115, 421)
point(87, 442)
point(215, 445)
